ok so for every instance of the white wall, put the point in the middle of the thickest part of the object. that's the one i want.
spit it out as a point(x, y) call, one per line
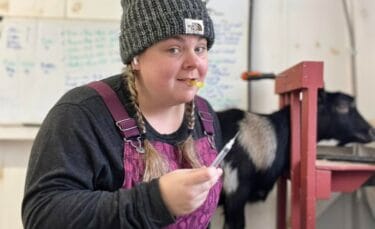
point(13, 162)
point(365, 30)
point(286, 32)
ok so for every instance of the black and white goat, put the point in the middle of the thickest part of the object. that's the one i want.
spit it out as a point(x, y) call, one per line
point(261, 151)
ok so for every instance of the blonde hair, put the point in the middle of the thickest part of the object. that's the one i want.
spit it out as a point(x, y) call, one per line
point(155, 164)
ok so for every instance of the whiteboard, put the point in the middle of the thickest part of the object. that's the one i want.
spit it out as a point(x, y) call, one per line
point(228, 56)
point(40, 59)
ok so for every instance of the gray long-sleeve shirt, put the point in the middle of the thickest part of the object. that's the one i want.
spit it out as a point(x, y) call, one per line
point(75, 171)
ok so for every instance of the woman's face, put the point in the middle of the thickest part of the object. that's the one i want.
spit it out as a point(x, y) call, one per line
point(165, 69)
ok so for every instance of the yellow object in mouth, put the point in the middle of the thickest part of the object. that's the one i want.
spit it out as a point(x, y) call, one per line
point(196, 83)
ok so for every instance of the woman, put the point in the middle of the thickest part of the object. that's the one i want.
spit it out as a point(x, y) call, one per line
point(133, 150)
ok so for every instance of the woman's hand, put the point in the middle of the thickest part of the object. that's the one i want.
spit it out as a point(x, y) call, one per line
point(184, 190)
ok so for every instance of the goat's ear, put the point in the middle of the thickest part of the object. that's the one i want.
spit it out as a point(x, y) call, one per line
point(321, 96)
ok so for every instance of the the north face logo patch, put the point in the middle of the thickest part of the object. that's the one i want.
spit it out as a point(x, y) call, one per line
point(193, 26)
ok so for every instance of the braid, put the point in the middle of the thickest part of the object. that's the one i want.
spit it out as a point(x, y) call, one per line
point(187, 148)
point(129, 78)
point(155, 165)
point(190, 115)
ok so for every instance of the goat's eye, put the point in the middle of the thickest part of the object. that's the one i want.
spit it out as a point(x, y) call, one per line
point(342, 108)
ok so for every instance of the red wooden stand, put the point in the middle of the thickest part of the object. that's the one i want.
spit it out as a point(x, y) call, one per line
point(310, 179)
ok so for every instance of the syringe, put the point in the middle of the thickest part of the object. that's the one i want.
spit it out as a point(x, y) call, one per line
point(224, 151)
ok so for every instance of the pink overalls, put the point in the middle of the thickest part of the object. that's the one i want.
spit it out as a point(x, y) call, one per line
point(133, 155)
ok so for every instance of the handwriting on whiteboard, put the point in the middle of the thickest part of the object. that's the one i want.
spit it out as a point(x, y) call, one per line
point(40, 59)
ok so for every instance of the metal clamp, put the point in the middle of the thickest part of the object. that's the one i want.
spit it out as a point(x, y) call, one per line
point(137, 145)
point(211, 139)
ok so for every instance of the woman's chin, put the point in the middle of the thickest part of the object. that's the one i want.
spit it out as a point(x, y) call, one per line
point(188, 97)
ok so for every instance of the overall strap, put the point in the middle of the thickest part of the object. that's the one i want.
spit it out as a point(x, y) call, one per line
point(126, 124)
point(205, 115)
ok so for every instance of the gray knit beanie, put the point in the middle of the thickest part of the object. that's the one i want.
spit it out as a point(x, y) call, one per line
point(145, 22)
